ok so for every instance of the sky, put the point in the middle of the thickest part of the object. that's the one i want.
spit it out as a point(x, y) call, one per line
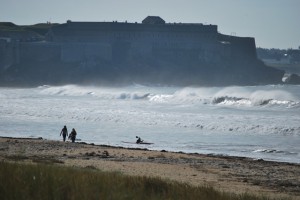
point(273, 23)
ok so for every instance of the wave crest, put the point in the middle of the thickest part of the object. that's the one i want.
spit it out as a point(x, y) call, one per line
point(228, 101)
point(228, 96)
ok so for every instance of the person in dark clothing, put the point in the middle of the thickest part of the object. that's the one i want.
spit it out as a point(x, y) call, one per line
point(139, 140)
point(64, 133)
point(72, 135)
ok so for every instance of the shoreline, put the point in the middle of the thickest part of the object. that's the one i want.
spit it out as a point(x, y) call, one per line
point(225, 173)
point(167, 151)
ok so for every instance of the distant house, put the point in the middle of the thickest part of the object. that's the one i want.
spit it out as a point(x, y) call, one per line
point(153, 20)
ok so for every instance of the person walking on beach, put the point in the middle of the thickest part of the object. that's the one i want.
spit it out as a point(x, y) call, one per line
point(64, 133)
point(72, 135)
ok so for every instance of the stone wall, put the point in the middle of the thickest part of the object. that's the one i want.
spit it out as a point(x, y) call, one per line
point(177, 46)
point(240, 47)
point(9, 53)
point(77, 52)
point(39, 52)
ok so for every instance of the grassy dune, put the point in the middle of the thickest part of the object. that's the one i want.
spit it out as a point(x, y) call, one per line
point(23, 181)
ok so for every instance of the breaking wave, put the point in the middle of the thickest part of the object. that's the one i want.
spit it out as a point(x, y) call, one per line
point(227, 100)
point(257, 96)
point(97, 92)
point(223, 96)
point(274, 151)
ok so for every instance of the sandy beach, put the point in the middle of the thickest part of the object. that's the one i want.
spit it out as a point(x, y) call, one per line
point(232, 174)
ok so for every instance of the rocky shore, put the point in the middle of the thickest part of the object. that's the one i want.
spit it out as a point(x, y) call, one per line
point(232, 174)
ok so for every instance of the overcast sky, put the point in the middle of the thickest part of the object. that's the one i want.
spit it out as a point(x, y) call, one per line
point(273, 23)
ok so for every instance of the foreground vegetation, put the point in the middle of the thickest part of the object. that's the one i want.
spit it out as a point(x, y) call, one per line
point(22, 181)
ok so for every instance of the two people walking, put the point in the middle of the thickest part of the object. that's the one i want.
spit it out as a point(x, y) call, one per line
point(72, 135)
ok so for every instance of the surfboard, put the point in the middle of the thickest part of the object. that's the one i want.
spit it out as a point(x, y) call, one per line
point(148, 143)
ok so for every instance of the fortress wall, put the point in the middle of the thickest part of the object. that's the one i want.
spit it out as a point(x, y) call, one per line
point(171, 44)
point(76, 52)
point(245, 47)
point(133, 44)
point(211, 53)
point(140, 49)
point(225, 50)
point(135, 27)
point(123, 41)
point(241, 47)
point(103, 31)
point(9, 52)
point(39, 51)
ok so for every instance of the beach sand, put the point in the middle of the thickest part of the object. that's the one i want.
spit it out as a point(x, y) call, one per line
point(231, 174)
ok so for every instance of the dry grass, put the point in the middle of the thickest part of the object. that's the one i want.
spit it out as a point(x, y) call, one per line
point(21, 181)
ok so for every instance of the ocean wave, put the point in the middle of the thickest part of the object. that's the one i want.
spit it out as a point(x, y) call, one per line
point(229, 101)
point(44, 86)
point(241, 128)
point(227, 96)
point(231, 96)
point(67, 90)
point(133, 96)
point(274, 151)
point(161, 98)
point(272, 95)
point(97, 92)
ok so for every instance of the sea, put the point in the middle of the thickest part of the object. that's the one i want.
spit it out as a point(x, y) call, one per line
point(258, 122)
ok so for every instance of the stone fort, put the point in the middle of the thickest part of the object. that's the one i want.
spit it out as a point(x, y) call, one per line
point(157, 43)
point(153, 37)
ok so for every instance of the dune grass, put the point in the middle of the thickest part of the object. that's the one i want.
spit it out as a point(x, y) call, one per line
point(26, 181)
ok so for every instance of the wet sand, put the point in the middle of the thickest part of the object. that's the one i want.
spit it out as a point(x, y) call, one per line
point(232, 174)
